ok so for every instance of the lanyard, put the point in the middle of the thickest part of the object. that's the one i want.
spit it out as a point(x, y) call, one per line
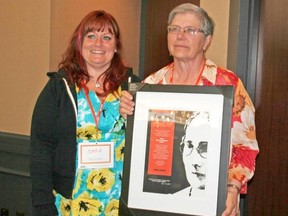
point(197, 81)
point(96, 118)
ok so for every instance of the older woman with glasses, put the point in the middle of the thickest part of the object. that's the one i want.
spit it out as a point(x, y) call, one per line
point(190, 31)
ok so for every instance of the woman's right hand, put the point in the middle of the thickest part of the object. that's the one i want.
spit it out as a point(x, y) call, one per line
point(126, 104)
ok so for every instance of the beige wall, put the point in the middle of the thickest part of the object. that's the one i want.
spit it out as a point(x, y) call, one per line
point(64, 20)
point(34, 34)
point(24, 56)
point(219, 11)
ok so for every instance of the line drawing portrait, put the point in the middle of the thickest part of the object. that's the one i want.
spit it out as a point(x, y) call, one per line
point(194, 147)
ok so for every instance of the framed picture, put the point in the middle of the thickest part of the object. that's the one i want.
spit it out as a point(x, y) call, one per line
point(177, 150)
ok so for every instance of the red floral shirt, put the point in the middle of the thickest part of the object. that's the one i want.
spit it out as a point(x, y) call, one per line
point(243, 131)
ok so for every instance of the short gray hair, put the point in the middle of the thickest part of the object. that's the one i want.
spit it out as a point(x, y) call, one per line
point(207, 22)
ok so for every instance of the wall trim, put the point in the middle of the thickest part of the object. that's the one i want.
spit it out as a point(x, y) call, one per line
point(14, 143)
point(14, 172)
point(14, 146)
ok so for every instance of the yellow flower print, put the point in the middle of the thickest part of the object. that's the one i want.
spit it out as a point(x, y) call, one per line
point(87, 207)
point(112, 208)
point(100, 180)
point(88, 132)
point(114, 96)
point(65, 207)
point(120, 151)
point(110, 98)
point(79, 132)
point(98, 136)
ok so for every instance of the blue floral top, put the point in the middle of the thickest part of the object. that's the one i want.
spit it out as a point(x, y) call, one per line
point(97, 191)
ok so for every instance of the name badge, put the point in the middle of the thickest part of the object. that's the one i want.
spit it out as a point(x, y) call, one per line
point(95, 155)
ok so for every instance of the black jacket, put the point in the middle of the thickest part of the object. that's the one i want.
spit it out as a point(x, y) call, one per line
point(53, 142)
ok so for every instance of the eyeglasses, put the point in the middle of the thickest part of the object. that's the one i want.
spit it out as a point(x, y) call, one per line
point(174, 29)
point(187, 147)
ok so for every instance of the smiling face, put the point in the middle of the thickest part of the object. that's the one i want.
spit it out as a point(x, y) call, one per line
point(194, 150)
point(98, 49)
point(184, 45)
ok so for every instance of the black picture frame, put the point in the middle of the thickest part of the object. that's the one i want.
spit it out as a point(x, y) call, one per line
point(138, 199)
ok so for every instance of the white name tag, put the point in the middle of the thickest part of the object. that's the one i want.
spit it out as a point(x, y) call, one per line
point(95, 155)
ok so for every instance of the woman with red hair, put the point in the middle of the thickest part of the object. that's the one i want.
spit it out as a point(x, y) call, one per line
point(77, 133)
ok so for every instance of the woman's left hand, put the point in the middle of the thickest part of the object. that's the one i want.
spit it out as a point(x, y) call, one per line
point(232, 204)
point(232, 201)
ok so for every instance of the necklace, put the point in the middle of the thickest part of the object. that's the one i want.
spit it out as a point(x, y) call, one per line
point(98, 85)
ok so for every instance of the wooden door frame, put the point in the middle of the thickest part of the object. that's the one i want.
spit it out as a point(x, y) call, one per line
point(247, 49)
point(145, 44)
point(243, 60)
